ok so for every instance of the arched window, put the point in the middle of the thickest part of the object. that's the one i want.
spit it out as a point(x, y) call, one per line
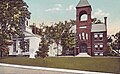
point(84, 17)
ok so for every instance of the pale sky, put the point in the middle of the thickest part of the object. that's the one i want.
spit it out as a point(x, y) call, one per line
point(51, 11)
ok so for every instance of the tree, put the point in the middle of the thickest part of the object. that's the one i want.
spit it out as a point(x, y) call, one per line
point(35, 30)
point(43, 48)
point(3, 47)
point(116, 44)
point(109, 39)
point(68, 41)
point(61, 35)
point(96, 21)
point(57, 34)
point(13, 14)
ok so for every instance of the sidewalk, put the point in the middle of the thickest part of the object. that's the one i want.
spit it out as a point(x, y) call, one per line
point(50, 69)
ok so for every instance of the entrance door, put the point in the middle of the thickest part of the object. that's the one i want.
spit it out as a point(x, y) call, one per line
point(83, 48)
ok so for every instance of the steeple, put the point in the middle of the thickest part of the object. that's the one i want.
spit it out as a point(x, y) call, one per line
point(83, 3)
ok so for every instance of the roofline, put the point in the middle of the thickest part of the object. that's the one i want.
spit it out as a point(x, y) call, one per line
point(34, 35)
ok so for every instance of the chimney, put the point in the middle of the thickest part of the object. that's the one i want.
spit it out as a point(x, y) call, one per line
point(66, 24)
point(34, 28)
point(105, 19)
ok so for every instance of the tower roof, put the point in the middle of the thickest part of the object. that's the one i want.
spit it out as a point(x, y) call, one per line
point(83, 3)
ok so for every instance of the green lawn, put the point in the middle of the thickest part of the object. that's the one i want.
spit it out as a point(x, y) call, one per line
point(102, 64)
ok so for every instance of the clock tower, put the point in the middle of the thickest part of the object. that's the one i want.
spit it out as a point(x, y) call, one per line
point(83, 27)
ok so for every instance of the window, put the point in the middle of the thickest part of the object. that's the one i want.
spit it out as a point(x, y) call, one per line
point(83, 27)
point(80, 36)
point(101, 36)
point(83, 36)
point(27, 42)
point(96, 47)
point(14, 45)
point(95, 36)
point(87, 36)
point(101, 47)
point(84, 17)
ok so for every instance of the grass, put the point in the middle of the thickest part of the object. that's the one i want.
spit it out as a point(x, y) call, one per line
point(101, 64)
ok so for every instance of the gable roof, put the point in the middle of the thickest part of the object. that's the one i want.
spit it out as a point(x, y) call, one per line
point(98, 28)
point(83, 3)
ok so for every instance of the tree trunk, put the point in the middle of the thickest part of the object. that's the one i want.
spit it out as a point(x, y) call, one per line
point(0, 53)
point(57, 50)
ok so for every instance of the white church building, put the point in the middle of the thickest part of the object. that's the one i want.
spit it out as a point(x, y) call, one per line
point(33, 41)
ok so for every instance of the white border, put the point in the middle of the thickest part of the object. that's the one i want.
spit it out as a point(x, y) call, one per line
point(50, 69)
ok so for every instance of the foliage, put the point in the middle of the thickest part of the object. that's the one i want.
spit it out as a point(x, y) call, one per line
point(43, 48)
point(68, 41)
point(56, 32)
point(116, 44)
point(13, 14)
point(36, 30)
point(96, 21)
point(108, 51)
point(109, 39)
point(62, 35)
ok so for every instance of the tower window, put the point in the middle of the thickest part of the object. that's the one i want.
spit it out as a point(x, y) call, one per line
point(84, 17)
point(80, 36)
point(87, 36)
point(83, 36)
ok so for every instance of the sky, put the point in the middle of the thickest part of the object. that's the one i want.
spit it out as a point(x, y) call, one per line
point(51, 11)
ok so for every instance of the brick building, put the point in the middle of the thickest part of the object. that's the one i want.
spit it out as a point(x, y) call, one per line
point(91, 37)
